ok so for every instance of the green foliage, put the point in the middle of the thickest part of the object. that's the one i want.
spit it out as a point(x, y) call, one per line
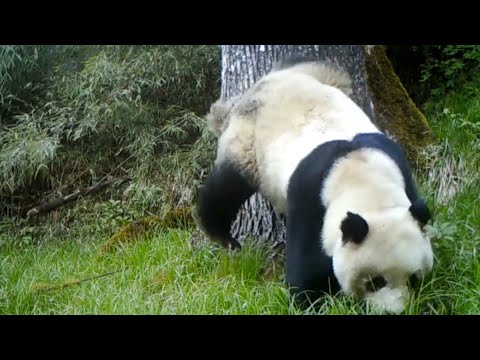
point(16, 63)
point(17, 233)
point(446, 66)
point(22, 69)
point(26, 153)
point(108, 110)
point(430, 71)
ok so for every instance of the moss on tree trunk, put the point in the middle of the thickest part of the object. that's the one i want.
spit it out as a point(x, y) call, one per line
point(395, 112)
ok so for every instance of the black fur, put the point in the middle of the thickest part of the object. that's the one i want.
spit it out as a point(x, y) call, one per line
point(420, 211)
point(354, 228)
point(375, 284)
point(308, 268)
point(413, 282)
point(220, 198)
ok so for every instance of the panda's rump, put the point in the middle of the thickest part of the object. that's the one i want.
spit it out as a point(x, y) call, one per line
point(236, 145)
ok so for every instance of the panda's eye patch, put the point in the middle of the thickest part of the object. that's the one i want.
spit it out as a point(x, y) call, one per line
point(375, 284)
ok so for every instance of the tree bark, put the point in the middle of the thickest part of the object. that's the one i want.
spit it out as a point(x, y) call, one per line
point(372, 75)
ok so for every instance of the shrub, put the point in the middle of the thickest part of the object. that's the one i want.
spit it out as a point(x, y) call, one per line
point(106, 110)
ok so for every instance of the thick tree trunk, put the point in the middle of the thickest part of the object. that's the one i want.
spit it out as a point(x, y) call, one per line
point(372, 74)
point(243, 65)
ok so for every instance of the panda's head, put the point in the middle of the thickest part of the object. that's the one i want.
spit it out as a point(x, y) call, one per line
point(381, 253)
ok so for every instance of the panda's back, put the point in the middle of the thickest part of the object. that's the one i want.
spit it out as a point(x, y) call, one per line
point(297, 113)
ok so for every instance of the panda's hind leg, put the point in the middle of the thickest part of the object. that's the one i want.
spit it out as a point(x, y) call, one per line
point(220, 198)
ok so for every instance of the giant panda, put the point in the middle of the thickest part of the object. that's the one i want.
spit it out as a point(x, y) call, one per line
point(353, 213)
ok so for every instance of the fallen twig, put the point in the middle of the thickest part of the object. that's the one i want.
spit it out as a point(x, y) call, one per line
point(46, 206)
point(48, 287)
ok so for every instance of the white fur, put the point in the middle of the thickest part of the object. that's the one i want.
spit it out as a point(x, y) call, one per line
point(278, 122)
point(387, 300)
point(369, 183)
point(217, 117)
point(326, 73)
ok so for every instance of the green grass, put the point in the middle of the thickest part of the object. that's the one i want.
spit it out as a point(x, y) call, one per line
point(165, 274)
point(162, 274)
point(456, 226)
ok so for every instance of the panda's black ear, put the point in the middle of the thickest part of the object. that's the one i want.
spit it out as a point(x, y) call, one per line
point(354, 228)
point(420, 212)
